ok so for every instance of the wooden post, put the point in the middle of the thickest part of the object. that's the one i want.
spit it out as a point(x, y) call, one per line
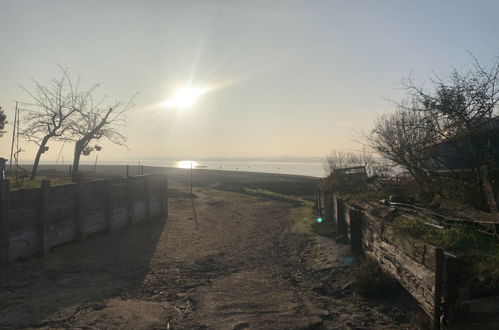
point(328, 206)
point(321, 211)
point(316, 205)
point(80, 221)
point(4, 223)
point(342, 228)
point(334, 199)
point(130, 201)
point(437, 303)
point(355, 231)
point(164, 196)
point(147, 187)
point(70, 171)
point(43, 218)
point(109, 207)
point(127, 171)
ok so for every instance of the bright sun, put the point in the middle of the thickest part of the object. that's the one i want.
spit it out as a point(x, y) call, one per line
point(184, 97)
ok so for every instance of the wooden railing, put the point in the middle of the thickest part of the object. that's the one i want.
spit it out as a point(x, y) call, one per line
point(34, 220)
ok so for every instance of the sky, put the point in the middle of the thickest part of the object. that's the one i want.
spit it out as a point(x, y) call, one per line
point(284, 78)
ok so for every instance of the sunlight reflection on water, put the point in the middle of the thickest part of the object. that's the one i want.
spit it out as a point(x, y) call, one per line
point(187, 164)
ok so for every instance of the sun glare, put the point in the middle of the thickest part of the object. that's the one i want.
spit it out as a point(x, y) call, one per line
point(186, 164)
point(184, 98)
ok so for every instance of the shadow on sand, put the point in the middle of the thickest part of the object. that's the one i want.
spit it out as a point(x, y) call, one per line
point(46, 291)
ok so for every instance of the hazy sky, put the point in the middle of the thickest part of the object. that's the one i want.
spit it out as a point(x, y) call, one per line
point(289, 78)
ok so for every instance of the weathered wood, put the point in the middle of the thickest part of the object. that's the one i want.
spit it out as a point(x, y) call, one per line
point(130, 202)
point(79, 208)
point(437, 305)
point(321, 204)
point(147, 196)
point(4, 223)
point(109, 207)
point(341, 208)
point(328, 206)
point(355, 231)
point(163, 196)
point(43, 220)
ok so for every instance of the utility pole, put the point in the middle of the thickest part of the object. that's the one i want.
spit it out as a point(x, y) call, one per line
point(13, 138)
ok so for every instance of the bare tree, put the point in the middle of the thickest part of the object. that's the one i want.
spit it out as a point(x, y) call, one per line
point(402, 137)
point(50, 110)
point(452, 125)
point(343, 159)
point(95, 122)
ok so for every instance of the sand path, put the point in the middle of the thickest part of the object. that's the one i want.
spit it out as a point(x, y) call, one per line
point(223, 260)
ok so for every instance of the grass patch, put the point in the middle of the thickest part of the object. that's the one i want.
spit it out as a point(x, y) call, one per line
point(303, 219)
point(36, 183)
point(463, 238)
point(482, 251)
point(297, 201)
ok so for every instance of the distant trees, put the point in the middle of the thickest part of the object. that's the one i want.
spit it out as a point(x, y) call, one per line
point(458, 113)
point(61, 111)
point(3, 121)
point(343, 159)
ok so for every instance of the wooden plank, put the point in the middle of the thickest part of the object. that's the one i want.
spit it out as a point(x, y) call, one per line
point(328, 206)
point(109, 207)
point(355, 231)
point(147, 195)
point(342, 229)
point(79, 208)
point(130, 201)
point(43, 219)
point(4, 223)
point(165, 189)
point(439, 259)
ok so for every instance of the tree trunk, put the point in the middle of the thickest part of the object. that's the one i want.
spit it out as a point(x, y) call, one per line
point(76, 160)
point(38, 156)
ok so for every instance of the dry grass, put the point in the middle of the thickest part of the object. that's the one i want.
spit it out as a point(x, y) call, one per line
point(36, 183)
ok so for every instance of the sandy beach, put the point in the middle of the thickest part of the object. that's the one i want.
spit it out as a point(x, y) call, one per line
point(229, 257)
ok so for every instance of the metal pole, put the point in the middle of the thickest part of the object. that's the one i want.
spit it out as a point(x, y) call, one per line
point(13, 138)
point(17, 146)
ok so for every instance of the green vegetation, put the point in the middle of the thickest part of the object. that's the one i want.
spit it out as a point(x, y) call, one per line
point(461, 238)
point(36, 183)
point(482, 250)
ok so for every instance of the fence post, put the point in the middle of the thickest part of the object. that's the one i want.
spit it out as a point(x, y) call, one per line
point(109, 207)
point(147, 187)
point(342, 228)
point(43, 218)
point(437, 303)
point(4, 223)
point(127, 171)
point(80, 221)
point(321, 210)
point(130, 201)
point(355, 231)
point(163, 193)
point(328, 206)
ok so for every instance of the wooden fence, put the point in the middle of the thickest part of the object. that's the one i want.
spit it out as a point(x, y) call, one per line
point(423, 270)
point(34, 220)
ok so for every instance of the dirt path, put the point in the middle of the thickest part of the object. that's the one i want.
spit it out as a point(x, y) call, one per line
point(223, 260)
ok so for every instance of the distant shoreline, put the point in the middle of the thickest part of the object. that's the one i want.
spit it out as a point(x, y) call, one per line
point(106, 170)
point(311, 169)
